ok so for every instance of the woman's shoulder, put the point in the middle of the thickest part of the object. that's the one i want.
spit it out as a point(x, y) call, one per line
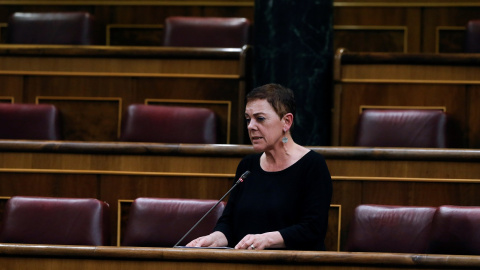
point(313, 161)
point(311, 155)
point(315, 154)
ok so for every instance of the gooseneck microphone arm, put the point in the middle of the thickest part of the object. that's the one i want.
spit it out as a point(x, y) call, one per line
point(243, 177)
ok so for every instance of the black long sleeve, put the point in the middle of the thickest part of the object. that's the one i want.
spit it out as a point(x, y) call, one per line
point(294, 201)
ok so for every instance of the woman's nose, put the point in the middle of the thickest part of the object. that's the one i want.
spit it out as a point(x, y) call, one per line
point(250, 124)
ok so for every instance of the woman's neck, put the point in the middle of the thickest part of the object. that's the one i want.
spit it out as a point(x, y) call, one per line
point(280, 159)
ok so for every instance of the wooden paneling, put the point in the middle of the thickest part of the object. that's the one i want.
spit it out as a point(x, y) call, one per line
point(93, 85)
point(53, 184)
point(372, 38)
point(450, 39)
point(473, 114)
point(435, 17)
point(391, 29)
point(409, 80)
point(124, 171)
point(79, 115)
point(135, 35)
point(11, 87)
point(422, 21)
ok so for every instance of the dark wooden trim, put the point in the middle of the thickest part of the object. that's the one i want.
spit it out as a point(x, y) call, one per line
point(235, 150)
point(410, 58)
point(122, 51)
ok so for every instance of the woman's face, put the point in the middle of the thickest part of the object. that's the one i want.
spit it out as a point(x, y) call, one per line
point(265, 128)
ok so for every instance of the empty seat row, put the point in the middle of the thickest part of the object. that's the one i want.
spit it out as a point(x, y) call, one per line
point(141, 123)
point(156, 222)
point(162, 222)
point(176, 124)
point(413, 229)
point(79, 28)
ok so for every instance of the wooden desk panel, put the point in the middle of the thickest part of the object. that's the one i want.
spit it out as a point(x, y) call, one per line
point(124, 171)
point(93, 85)
point(17, 256)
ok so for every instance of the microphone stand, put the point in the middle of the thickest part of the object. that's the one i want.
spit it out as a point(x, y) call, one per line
point(244, 175)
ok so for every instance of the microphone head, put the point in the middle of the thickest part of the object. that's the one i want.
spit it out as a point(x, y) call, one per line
point(244, 175)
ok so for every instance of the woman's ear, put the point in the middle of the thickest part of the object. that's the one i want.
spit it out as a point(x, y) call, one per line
point(288, 121)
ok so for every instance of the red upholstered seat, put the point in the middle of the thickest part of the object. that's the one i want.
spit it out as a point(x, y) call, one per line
point(456, 230)
point(169, 124)
point(206, 32)
point(163, 222)
point(388, 228)
point(472, 37)
point(51, 28)
point(29, 121)
point(62, 221)
point(404, 128)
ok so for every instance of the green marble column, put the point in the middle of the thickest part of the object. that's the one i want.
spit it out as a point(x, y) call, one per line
point(293, 47)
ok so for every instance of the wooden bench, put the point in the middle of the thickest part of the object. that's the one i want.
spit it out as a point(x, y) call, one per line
point(93, 85)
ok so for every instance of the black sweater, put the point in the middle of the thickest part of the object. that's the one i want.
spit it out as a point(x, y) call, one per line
point(294, 201)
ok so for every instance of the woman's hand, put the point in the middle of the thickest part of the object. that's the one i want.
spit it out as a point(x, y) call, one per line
point(215, 239)
point(261, 241)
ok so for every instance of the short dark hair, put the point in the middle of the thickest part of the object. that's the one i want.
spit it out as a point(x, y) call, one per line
point(280, 98)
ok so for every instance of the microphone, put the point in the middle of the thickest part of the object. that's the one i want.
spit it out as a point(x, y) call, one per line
point(240, 180)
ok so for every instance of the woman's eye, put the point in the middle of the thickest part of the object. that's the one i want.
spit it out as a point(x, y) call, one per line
point(247, 120)
point(260, 119)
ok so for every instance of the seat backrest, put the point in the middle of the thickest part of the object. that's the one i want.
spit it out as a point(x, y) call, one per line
point(162, 222)
point(29, 122)
point(456, 230)
point(206, 32)
point(403, 128)
point(169, 124)
point(75, 28)
point(472, 37)
point(388, 228)
point(61, 221)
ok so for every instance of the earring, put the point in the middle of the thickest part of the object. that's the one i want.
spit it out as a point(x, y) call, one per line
point(284, 139)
